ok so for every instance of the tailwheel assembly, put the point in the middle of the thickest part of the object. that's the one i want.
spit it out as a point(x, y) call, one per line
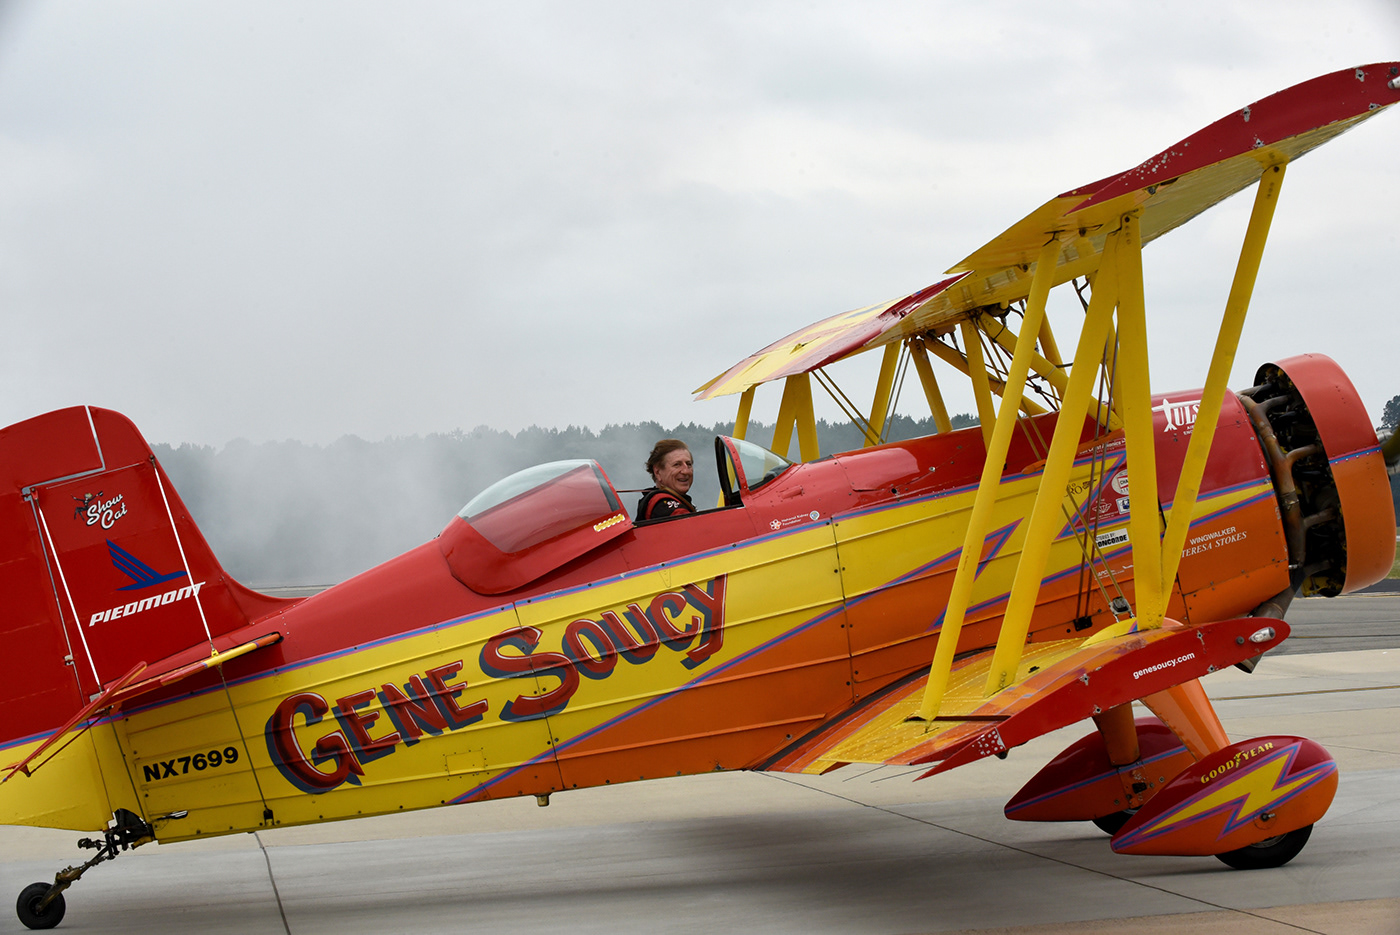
point(41, 905)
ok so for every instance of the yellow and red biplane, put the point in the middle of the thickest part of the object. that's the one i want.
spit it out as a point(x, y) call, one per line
point(1089, 545)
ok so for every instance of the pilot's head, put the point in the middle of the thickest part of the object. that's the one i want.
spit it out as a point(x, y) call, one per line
point(671, 465)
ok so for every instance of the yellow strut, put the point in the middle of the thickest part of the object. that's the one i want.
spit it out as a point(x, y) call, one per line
point(1007, 338)
point(741, 421)
point(989, 485)
point(1048, 347)
point(931, 391)
point(879, 408)
point(995, 387)
point(981, 384)
point(806, 421)
point(787, 416)
point(1188, 488)
point(1144, 526)
point(741, 425)
point(1045, 517)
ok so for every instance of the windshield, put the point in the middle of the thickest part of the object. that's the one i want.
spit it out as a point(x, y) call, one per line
point(759, 464)
point(540, 503)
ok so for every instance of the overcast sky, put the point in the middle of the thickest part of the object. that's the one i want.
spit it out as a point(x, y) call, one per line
point(276, 220)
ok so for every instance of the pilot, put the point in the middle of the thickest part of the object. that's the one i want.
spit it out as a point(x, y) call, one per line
point(672, 470)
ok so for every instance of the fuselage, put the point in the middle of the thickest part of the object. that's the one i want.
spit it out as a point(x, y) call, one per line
point(709, 642)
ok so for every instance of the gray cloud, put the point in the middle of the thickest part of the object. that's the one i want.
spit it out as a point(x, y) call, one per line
point(306, 221)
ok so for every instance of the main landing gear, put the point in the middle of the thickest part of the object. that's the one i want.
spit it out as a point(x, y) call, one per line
point(41, 905)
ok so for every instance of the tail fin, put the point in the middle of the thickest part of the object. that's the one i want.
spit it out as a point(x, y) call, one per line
point(101, 566)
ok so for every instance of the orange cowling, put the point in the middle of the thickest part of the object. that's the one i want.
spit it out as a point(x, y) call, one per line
point(1357, 466)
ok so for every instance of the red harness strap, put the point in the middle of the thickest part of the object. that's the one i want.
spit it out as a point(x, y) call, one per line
point(655, 498)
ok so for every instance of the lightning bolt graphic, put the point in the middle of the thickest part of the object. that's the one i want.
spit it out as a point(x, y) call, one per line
point(1250, 791)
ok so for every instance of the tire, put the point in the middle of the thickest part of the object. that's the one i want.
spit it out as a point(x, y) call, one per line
point(1272, 852)
point(29, 899)
point(1111, 824)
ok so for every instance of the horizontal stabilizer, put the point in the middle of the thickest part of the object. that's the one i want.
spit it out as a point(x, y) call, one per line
point(168, 671)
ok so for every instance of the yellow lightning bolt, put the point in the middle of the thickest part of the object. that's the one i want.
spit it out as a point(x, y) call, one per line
point(1257, 785)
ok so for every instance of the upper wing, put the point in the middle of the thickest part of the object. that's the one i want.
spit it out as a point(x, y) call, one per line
point(821, 343)
point(1172, 187)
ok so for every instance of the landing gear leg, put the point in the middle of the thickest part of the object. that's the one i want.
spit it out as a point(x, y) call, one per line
point(41, 905)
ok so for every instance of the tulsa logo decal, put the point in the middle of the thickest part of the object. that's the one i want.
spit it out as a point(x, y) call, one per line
point(689, 621)
point(1180, 415)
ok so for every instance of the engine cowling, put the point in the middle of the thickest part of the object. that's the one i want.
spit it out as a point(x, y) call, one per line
point(1329, 474)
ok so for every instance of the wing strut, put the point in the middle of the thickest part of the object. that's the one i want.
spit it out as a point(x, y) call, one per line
point(1049, 499)
point(1163, 549)
point(980, 520)
point(1156, 554)
point(1188, 488)
point(932, 393)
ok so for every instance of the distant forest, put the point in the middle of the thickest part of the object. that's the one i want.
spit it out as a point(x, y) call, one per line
point(288, 513)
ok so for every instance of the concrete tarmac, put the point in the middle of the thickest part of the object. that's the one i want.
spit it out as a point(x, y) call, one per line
point(860, 850)
point(1369, 620)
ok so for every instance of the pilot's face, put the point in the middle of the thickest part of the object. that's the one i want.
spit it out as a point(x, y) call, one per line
point(676, 471)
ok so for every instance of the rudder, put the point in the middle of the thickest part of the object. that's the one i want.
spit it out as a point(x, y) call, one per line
point(101, 566)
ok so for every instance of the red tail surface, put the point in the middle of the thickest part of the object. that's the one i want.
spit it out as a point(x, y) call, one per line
point(101, 566)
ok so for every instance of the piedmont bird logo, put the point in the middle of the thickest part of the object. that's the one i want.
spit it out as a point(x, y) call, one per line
point(141, 574)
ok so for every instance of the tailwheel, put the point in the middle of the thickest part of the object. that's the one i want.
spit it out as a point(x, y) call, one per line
point(41, 905)
point(34, 912)
point(1270, 852)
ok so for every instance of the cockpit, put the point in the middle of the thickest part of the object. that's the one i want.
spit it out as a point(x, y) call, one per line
point(526, 525)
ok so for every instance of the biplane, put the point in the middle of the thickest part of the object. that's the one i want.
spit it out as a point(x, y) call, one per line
point(1090, 545)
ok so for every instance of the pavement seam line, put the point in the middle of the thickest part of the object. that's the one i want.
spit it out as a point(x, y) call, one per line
point(1315, 691)
point(276, 894)
point(1029, 853)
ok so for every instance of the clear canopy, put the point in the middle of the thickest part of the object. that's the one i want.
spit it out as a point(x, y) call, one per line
point(760, 465)
point(541, 502)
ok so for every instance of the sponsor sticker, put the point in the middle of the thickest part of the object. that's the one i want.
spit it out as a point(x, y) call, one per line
point(94, 511)
point(1207, 541)
point(146, 603)
point(796, 518)
point(1111, 539)
point(610, 521)
point(1163, 665)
